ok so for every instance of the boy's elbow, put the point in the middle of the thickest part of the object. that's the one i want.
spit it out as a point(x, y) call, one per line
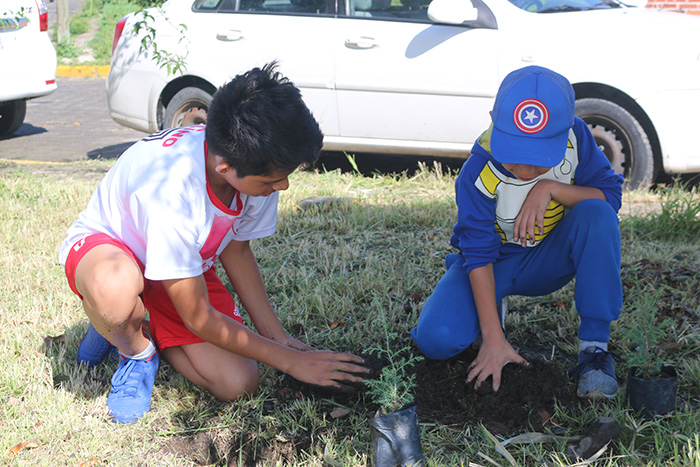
point(196, 323)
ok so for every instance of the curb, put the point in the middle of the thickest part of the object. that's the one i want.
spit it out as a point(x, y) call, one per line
point(30, 162)
point(82, 71)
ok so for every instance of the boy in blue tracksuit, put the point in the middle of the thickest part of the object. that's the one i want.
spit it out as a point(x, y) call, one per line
point(537, 206)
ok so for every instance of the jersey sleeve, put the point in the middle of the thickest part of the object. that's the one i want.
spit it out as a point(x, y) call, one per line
point(594, 168)
point(259, 218)
point(474, 232)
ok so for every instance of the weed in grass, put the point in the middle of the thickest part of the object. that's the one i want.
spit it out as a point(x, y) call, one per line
point(691, 372)
point(677, 219)
point(691, 454)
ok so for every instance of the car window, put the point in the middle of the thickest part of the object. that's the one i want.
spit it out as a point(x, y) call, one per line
point(313, 7)
point(560, 6)
point(411, 10)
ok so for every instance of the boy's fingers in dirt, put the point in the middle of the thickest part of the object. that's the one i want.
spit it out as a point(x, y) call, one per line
point(475, 372)
point(496, 378)
point(524, 363)
point(496, 381)
point(347, 378)
point(348, 357)
point(352, 372)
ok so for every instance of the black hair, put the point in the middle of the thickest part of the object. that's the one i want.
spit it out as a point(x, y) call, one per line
point(259, 124)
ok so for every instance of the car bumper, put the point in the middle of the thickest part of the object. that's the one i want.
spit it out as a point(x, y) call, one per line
point(676, 119)
point(28, 88)
point(23, 77)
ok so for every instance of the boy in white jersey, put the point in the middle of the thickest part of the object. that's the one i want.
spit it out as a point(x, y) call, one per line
point(537, 203)
point(172, 205)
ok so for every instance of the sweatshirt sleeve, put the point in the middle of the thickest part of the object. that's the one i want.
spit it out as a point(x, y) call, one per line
point(474, 233)
point(594, 168)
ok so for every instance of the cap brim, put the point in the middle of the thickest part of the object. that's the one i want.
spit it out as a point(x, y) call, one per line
point(526, 150)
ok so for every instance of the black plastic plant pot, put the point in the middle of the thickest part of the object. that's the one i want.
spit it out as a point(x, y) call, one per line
point(396, 439)
point(652, 396)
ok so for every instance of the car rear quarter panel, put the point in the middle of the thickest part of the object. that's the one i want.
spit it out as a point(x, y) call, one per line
point(27, 57)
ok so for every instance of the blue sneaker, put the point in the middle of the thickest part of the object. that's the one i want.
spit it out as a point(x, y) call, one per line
point(132, 386)
point(93, 348)
point(596, 374)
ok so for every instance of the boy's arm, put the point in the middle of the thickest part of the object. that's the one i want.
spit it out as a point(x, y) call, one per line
point(189, 296)
point(531, 216)
point(242, 269)
point(495, 351)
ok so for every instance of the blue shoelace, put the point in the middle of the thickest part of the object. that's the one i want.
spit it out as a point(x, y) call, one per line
point(124, 383)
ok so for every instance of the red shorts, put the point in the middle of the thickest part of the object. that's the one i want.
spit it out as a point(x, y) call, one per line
point(167, 327)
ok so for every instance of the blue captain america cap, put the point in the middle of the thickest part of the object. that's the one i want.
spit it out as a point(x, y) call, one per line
point(532, 115)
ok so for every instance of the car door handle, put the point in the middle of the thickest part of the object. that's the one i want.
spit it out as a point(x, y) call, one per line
point(229, 36)
point(362, 42)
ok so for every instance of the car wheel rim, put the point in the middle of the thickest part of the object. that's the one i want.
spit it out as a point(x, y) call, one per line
point(182, 111)
point(614, 144)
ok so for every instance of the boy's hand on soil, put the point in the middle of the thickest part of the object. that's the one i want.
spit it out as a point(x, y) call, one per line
point(490, 362)
point(325, 368)
point(530, 220)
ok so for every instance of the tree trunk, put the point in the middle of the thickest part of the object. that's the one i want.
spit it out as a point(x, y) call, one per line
point(63, 21)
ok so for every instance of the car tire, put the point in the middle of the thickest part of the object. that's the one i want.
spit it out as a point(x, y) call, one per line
point(184, 100)
point(12, 115)
point(622, 139)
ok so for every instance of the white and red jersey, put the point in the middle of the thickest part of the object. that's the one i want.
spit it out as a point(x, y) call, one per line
point(156, 199)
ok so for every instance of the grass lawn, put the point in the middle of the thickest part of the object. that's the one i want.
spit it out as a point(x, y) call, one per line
point(335, 276)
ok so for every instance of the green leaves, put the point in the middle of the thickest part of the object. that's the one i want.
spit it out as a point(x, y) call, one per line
point(174, 62)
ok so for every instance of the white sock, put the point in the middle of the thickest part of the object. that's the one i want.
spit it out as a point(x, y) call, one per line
point(144, 354)
point(601, 345)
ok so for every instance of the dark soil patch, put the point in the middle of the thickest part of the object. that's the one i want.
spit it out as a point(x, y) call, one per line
point(525, 401)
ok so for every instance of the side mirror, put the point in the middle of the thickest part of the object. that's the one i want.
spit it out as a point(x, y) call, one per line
point(452, 11)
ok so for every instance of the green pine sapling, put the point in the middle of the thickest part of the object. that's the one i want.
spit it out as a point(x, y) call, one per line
point(394, 389)
point(642, 333)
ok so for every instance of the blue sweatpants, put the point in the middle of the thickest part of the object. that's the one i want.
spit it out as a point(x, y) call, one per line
point(585, 245)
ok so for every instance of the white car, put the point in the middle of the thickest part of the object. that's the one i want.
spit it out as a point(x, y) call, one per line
point(419, 77)
point(27, 59)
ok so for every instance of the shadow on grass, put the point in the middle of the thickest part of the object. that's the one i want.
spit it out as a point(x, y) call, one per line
point(79, 379)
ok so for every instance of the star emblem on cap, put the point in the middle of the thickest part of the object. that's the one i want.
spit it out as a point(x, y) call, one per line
point(531, 116)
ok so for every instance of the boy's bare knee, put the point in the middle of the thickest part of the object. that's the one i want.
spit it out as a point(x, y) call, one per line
point(113, 285)
point(239, 385)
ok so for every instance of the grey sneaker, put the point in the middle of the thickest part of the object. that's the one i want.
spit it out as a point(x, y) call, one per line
point(595, 373)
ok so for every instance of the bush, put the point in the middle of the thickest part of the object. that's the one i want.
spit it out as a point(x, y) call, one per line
point(112, 12)
point(66, 49)
point(79, 25)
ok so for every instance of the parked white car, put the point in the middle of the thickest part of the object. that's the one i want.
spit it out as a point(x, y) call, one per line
point(27, 59)
point(414, 77)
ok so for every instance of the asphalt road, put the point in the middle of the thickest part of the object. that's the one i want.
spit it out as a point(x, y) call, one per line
point(71, 124)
